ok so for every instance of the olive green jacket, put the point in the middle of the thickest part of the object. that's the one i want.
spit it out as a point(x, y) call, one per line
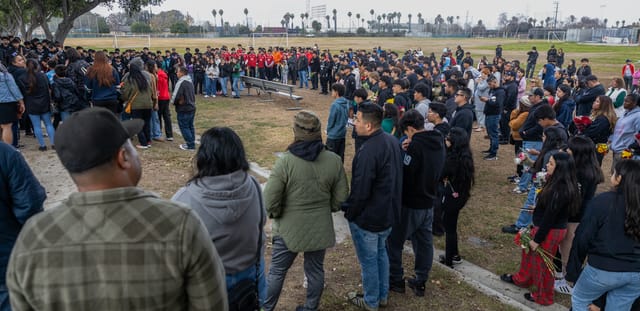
point(300, 197)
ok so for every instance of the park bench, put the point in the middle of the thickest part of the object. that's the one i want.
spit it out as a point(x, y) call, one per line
point(271, 87)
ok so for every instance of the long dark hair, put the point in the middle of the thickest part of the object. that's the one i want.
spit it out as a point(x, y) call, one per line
point(562, 185)
point(220, 153)
point(584, 154)
point(101, 70)
point(554, 139)
point(136, 76)
point(629, 171)
point(32, 69)
point(459, 154)
point(567, 95)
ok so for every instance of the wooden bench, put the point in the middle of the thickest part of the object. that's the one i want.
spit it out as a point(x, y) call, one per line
point(270, 87)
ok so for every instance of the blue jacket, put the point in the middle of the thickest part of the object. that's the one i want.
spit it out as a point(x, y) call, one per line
point(103, 93)
point(565, 115)
point(9, 91)
point(21, 196)
point(338, 115)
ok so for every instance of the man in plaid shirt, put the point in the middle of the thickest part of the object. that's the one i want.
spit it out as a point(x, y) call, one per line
point(111, 245)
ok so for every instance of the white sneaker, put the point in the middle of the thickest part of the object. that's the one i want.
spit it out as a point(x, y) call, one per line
point(561, 286)
point(206, 96)
point(213, 96)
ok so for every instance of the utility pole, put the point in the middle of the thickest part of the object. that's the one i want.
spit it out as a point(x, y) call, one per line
point(555, 17)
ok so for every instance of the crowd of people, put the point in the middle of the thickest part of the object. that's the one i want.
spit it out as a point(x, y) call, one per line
point(411, 117)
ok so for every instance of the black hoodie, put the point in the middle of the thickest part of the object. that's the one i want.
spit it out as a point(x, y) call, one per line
point(423, 164)
point(307, 150)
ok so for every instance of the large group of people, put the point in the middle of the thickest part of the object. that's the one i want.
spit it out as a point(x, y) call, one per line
point(112, 245)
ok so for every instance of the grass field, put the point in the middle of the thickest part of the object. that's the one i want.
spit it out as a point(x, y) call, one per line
point(265, 128)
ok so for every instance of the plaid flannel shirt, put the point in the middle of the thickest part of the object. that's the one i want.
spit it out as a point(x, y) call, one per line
point(117, 249)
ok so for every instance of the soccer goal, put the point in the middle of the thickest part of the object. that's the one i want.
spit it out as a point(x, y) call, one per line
point(263, 39)
point(556, 35)
point(131, 41)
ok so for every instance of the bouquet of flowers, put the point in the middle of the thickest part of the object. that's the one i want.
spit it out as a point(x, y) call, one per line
point(602, 148)
point(539, 180)
point(582, 122)
point(626, 154)
point(522, 239)
point(523, 158)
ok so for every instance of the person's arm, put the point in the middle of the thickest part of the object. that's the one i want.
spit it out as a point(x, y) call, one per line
point(620, 99)
point(275, 190)
point(26, 192)
point(340, 190)
point(598, 126)
point(517, 121)
point(332, 117)
point(205, 284)
point(363, 175)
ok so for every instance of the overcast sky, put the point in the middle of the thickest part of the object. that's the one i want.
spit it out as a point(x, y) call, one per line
point(269, 13)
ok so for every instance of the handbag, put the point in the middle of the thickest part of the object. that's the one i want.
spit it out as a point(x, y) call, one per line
point(127, 107)
point(244, 296)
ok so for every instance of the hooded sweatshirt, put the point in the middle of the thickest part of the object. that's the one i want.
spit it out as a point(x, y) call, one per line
point(338, 115)
point(229, 206)
point(422, 169)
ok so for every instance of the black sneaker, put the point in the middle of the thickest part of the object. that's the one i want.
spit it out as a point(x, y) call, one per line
point(397, 286)
point(417, 286)
point(455, 260)
point(42, 148)
point(486, 151)
point(510, 229)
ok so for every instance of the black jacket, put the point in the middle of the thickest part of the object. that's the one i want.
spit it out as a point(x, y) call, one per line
point(65, 95)
point(585, 100)
point(531, 130)
point(599, 130)
point(350, 86)
point(384, 95)
point(493, 107)
point(38, 101)
point(463, 118)
point(185, 100)
point(376, 184)
point(511, 95)
point(601, 239)
point(451, 105)
point(423, 164)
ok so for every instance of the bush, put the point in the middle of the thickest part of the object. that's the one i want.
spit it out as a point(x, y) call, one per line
point(139, 27)
point(361, 31)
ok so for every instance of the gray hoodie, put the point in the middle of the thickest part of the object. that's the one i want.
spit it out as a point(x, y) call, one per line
point(229, 206)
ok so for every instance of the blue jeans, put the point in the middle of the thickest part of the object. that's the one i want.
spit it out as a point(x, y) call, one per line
point(4, 299)
point(210, 87)
point(185, 122)
point(235, 85)
point(223, 85)
point(64, 115)
point(36, 120)
point(302, 75)
point(526, 213)
point(525, 179)
point(374, 262)
point(622, 288)
point(415, 224)
point(250, 273)
point(155, 125)
point(493, 129)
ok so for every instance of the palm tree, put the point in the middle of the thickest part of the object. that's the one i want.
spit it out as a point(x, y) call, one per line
point(409, 16)
point(328, 24)
point(282, 22)
point(398, 16)
point(349, 14)
point(220, 12)
point(384, 18)
point(606, 20)
point(617, 24)
point(358, 19)
point(439, 21)
point(287, 19)
point(335, 20)
point(302, 21)
point(572, 18)
point(372, 19)
point(214, 13)
point(291, 16)
point(379, 19)
point(420, 21)
point(246, 15)
point(623, 22)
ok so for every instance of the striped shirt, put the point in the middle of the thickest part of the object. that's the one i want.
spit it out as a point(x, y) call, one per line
point(117, 249)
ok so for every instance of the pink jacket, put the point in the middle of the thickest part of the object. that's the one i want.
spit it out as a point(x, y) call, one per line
point(636, 77)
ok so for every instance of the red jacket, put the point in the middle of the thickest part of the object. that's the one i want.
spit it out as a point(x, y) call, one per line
point(630, 67)
point(269, 61)
point(261, 60)
point(163, 85)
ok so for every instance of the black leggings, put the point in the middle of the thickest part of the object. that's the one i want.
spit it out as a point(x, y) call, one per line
point(450, 210)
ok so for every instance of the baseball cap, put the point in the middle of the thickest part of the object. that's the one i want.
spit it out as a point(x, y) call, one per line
point(536, 91)
point(510, 73)
point(91, 137)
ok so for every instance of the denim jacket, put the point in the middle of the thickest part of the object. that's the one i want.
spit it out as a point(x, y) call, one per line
point(9, 91)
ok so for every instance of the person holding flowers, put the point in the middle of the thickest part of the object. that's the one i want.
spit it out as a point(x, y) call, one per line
point(602, 122)
point(559, 198)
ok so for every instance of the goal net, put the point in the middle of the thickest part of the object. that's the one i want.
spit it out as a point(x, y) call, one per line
point(263, 39)
point(131, 41)
point(556, 36)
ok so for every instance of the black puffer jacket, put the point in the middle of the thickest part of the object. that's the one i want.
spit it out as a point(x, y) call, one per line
point(65, 95)
point(37, 100)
